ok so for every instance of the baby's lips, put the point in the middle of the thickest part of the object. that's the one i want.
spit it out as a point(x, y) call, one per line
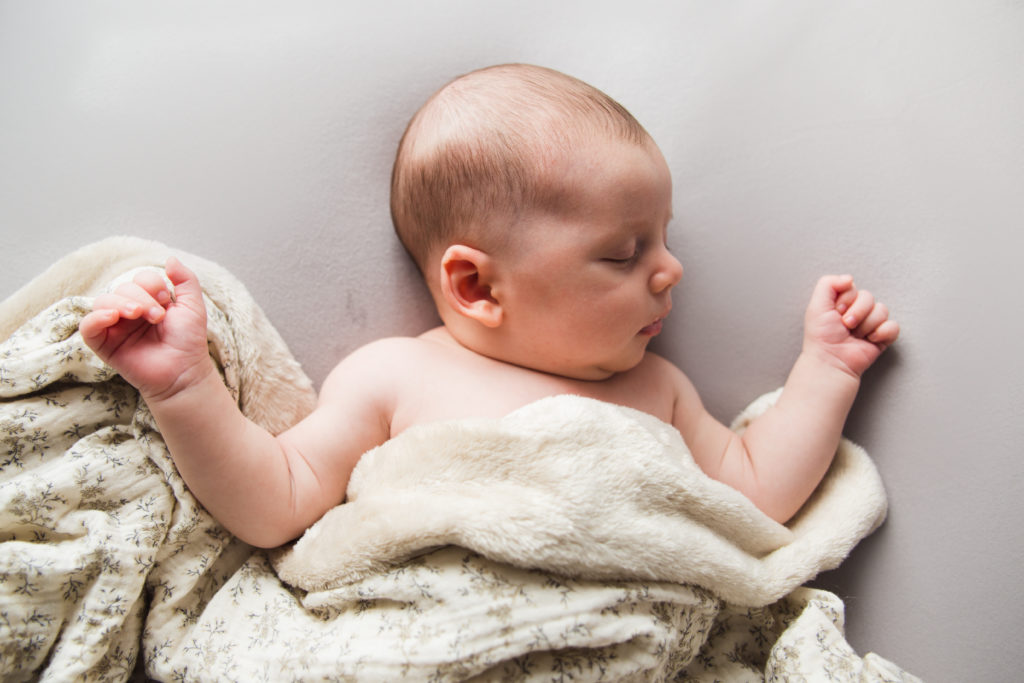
point(653, 329)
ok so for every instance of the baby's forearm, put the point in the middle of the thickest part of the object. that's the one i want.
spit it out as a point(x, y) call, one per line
point(791, 446)
point(237, 470)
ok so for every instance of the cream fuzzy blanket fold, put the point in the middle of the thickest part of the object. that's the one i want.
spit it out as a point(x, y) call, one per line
point(583, 489)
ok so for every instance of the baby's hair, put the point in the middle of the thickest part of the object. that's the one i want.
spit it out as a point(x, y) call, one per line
point(476, 151)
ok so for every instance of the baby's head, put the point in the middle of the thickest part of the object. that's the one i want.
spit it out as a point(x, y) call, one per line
point(536, 207)
point(478, 154)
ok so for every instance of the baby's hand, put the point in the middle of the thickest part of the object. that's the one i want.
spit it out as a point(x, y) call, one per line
point(847, 324)
point(155, 340)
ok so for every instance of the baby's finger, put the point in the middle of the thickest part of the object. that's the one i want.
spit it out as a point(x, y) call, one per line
point(827, 291)
point(859, 309)
point(131, 302)
point(154, 285)
point(93, 326)
point(115, 302)
point(845, 299)
point(186, 283)
point(885, 334)
point(878, 315)
point(149, 308)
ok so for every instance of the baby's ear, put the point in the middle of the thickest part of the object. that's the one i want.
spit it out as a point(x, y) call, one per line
point(466, 278)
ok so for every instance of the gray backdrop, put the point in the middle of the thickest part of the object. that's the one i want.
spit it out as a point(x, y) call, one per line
point(882, 138)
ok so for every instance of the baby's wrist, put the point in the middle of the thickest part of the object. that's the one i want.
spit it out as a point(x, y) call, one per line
point(828, 363)
point(191, 382)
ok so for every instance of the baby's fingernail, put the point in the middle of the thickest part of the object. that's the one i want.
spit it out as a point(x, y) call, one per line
point(850, 321)
point(131, 309)
point(156, 313)
point(842, 308)
point(163, 296)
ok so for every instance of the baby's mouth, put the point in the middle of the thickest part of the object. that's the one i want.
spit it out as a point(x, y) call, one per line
point(653, 329)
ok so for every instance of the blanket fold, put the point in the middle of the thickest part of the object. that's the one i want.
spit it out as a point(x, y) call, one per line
point(585, 489)
point(468, 550)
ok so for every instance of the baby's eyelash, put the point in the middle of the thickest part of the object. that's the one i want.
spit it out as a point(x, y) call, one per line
point(629, 259)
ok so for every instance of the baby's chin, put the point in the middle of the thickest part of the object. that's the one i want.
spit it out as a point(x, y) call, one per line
point(597, 372)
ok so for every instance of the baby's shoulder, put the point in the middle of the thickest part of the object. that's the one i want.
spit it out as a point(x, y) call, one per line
point(387, 353)
point(389, 348)
point(378, 364)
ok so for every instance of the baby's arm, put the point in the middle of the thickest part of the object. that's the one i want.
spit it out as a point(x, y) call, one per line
point(264, 489)
point(783, 455)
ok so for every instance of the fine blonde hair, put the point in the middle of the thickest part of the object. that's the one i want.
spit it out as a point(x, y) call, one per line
point(473, 157)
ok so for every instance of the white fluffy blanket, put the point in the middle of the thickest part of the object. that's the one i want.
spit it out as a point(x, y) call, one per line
point(585, 489)
point(571, 539)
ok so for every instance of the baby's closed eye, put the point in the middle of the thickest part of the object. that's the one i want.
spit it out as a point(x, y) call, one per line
point(626, 255)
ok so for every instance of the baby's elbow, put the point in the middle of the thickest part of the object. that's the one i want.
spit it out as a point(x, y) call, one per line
point(760, 485)
point(764, 492)
point(266, 538)
point(771, 501)
point(779, 511)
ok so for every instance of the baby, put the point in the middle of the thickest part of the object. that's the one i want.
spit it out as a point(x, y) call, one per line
point(537, 209)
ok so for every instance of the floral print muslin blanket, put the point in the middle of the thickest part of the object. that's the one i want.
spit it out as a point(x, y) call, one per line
point(110, 570)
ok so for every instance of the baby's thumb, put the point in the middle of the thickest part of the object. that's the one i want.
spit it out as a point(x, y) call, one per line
point(830, 290)
point(186, 285)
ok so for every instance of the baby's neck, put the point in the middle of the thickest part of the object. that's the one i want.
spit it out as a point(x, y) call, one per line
point(453, 381)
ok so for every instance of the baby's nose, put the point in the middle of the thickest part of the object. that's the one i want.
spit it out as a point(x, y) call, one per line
point(668, 273)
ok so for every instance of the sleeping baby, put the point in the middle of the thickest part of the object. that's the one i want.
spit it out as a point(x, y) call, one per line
point(537, 209)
